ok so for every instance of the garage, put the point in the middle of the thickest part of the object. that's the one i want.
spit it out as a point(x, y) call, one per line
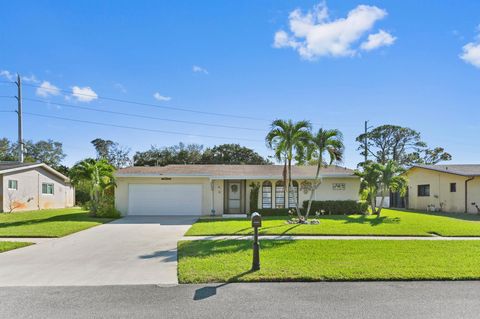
point(171, 199)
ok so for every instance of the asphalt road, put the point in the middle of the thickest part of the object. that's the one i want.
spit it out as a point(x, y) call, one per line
point(264, 300)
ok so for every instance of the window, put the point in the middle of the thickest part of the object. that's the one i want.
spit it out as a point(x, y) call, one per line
point(267, 194)
point(453, 187)
point(12, 184)
point(47, 188)
point(279, 195)
point(293, 195)
point(423, 190)
point(338, 186)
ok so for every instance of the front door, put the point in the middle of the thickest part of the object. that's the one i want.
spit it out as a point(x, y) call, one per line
point(234, 197)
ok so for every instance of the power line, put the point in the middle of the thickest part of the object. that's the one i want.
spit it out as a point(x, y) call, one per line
point(137, 128)
point(142, 116)
point(157, 106)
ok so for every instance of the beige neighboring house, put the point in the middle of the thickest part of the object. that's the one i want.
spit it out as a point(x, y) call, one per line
point(223, 189)
point(32, 186)
point(448, 188)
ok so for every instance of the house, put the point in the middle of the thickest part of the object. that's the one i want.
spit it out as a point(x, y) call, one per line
point(448, 188)
point(31, 186)
point(223, 189)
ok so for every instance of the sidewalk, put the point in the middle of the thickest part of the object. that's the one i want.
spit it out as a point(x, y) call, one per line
point(292, 237)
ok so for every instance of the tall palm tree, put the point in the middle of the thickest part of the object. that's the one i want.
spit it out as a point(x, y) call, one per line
point(98, 174)
point(288, 139)
point(325, 147)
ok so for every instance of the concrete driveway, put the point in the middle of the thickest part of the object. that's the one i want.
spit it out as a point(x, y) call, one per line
point(131, 250)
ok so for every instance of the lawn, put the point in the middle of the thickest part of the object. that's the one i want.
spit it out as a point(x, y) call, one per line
point(47, 223)
point(7, 245)
point(205, 261)
point(391, 223)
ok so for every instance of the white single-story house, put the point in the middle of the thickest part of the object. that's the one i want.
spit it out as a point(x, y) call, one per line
point(32, 186)
point(223, 189)
point(447, 188)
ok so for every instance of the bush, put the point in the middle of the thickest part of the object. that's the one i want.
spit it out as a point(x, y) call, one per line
point(106, 208)
point(337, 207)
point(275, 211)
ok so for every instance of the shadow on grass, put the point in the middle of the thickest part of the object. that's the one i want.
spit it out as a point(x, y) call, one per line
point(75, 217)
point(372, 221)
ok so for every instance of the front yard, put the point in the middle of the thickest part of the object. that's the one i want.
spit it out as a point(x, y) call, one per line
point(391, 223)
point(328, 260)
point(47, 223)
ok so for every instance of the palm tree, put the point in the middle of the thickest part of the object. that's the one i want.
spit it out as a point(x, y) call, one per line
point(382, 178)
point(99, 176)
point(325, 147)
point(287, 139)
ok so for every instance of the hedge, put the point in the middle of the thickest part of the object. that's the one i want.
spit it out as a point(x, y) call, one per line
point(337, 207)
point(274, 211)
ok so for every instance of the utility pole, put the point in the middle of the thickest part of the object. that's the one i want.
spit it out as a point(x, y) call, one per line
point(366, 141)
point(19, 113)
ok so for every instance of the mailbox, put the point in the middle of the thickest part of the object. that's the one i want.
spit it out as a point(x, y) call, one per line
point(256, 220)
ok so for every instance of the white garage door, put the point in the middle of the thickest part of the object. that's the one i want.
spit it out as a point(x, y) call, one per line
point(172, 199)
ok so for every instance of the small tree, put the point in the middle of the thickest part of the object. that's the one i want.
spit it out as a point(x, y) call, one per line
point(378, 178)
point(98, 175)
point(254, 190)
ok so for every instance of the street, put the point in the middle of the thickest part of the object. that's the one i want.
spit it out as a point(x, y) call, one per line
point(261, 300)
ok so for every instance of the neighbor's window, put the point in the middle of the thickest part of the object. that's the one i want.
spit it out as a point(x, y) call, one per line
point(267, 194)
point(12, 184)
point(423, 190)
point(47, 188)
point(338, 186)
point(453, 187)
point(292, 195)
point(279, 195)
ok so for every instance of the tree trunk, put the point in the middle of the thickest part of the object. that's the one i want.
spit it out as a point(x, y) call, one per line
point(290, 188)
point(381, 204)
point(372, 202)
point(312, 192)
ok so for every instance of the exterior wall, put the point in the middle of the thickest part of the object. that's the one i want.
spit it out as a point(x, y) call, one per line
point(29, 194)
point(324, 192)
point(121, 192)
point(440, 195)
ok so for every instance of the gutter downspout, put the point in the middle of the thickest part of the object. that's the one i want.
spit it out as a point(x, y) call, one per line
point(212, 187)
point(466, 192)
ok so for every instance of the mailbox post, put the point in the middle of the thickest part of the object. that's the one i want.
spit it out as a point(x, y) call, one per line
point(256, 223)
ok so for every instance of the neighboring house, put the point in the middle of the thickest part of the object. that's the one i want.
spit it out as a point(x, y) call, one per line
point(31, 186)
point(222, 189)
point(448, 188)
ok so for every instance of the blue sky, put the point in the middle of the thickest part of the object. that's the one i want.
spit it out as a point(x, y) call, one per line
point(396, 62)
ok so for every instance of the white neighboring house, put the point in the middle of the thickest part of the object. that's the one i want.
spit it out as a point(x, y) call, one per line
point(223, 189)
point(32, 186)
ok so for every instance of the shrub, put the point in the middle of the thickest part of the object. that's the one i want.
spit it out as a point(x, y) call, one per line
point(338, 207)
point(274, 211)
point(255, 187)
point(106, 208)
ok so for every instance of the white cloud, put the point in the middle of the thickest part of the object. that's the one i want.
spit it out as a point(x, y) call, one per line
point(199, 69)
point(471, 52)
point(30, 79)
point(160, 97)
point(374, 41)
point(7, 74)
point(46, 89)
point(85, 94)
point(314, 34)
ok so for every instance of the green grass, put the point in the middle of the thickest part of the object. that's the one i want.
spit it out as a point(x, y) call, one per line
point(7, 245)
point(391, 223)
point(205, 261)
point(47, 223)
